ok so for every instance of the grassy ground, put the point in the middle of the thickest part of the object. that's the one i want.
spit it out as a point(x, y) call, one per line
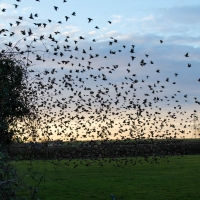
point(177, 179)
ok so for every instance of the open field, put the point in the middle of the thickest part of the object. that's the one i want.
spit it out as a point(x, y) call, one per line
point(173, 178)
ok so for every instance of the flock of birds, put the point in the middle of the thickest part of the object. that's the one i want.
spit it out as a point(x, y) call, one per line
point(81, 99)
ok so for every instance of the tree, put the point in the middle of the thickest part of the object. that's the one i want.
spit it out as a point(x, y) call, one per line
point(19, 113)
point(14, 107)
point(13, 104)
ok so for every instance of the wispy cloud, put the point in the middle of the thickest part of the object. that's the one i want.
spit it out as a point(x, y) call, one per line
point(148, 18)
point(117, 18)
point(131, 19)
point(27, 9)
point(5, 5)
point(92, 33)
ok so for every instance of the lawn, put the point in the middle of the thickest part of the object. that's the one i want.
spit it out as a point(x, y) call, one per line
point(173, 178)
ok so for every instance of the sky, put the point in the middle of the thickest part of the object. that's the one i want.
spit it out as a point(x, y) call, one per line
point(170, 99)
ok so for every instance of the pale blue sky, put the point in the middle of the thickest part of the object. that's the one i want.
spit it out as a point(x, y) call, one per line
point(145, 17)
point(140, 23)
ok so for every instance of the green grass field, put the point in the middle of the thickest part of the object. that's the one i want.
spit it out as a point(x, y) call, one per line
point(177, 179)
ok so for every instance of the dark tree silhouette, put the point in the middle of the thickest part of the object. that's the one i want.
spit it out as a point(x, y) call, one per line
point(15, 106)
point(13, 103)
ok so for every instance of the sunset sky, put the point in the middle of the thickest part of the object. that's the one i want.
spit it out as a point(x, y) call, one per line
point(173, 77)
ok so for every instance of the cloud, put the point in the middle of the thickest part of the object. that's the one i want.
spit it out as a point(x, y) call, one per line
point(174, 20)
point(117, 18)
point(148, 18)
point(92, 33)
point(5, 5)
point(111, 33)
point(131, 19)
point(179, 20)
point(71, 33)
point(26, 9)
point(184, 14)
point(71, 27)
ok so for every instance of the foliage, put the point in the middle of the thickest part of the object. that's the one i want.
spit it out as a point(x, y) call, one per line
point(16, 114)
point(13, 102)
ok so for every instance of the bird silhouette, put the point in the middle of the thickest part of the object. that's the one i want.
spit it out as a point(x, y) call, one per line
point(67, 18)
point(89, 20)
point(31, 16)
point(56, 8)
point(74, 14)
point(15, 5)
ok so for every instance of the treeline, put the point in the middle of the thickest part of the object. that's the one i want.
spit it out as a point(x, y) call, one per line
point(107, 149)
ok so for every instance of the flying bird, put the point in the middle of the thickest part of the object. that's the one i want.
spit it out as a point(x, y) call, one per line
point(15, 5)
point(89, 20)
point(56, 8)
point(133, 57)
point(31, 16)
point(67, 17)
